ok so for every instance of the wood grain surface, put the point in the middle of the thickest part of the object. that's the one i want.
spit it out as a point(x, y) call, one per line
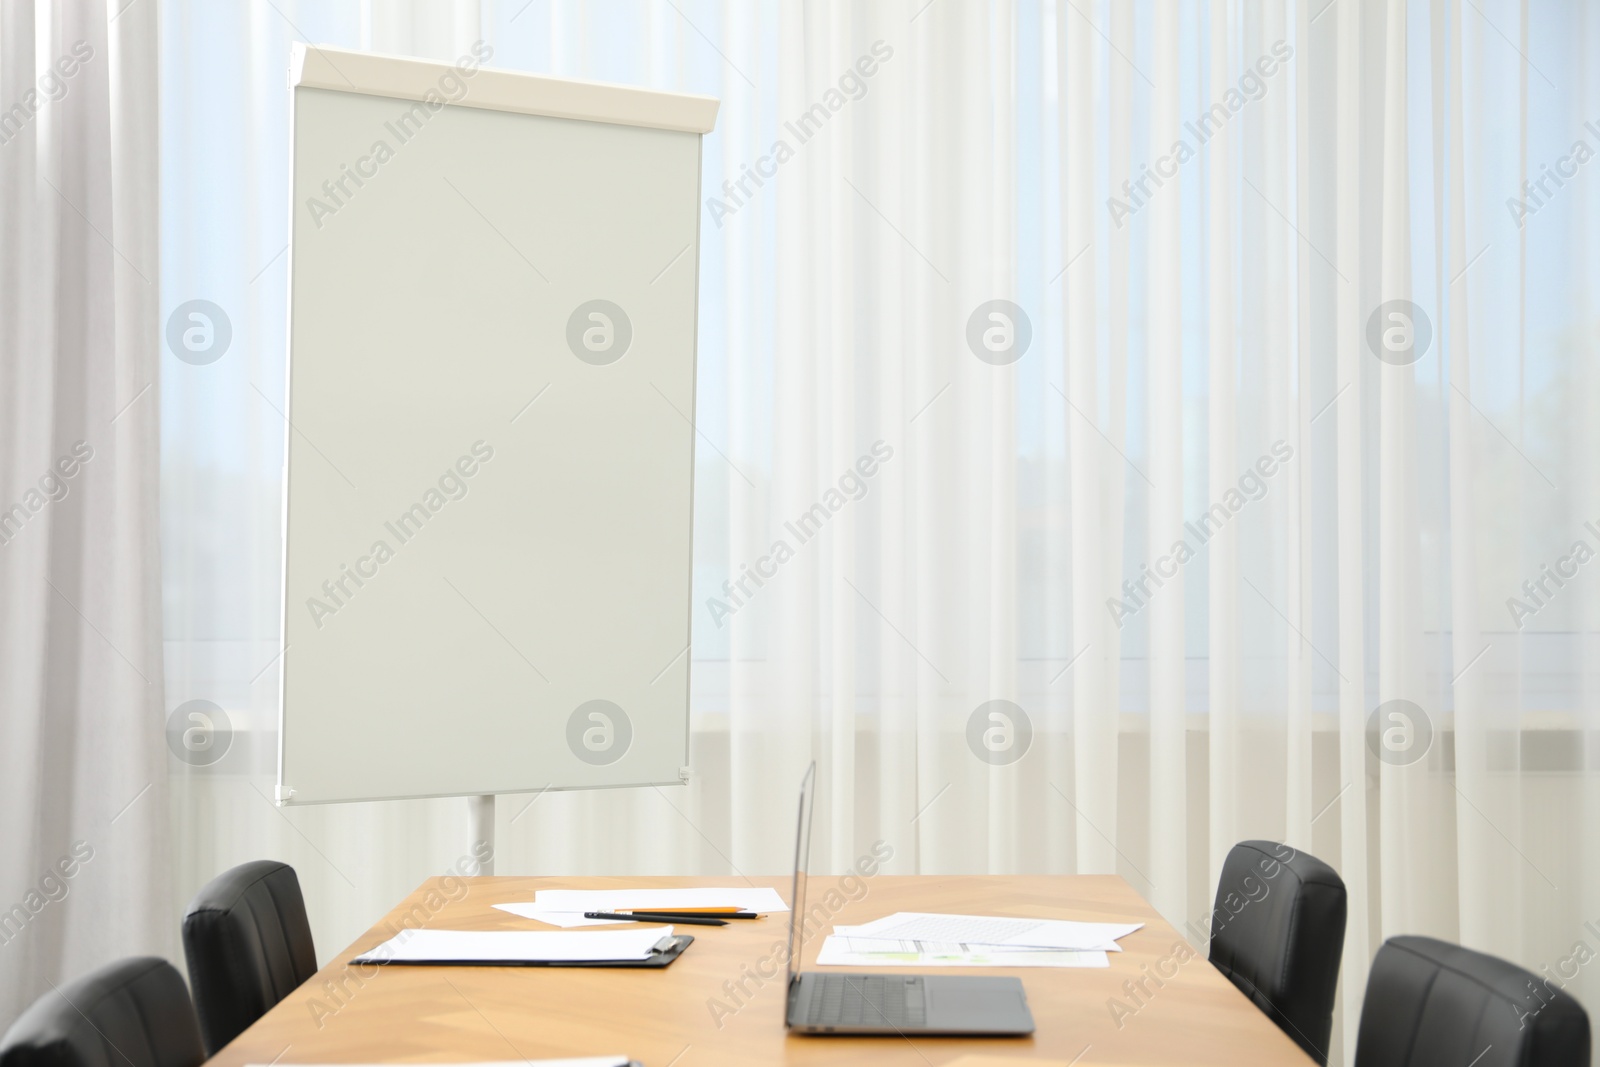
point(722, 1001)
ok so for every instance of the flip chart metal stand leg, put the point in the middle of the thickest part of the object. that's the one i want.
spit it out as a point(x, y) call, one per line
point(480, 828)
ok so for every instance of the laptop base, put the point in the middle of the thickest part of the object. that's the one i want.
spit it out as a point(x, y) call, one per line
point(895, 1004)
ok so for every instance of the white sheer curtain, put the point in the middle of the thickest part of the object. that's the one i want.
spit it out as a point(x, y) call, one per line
point(86, 875)
point(1198, 215)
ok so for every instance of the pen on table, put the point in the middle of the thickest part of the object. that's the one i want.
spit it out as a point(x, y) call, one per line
point(716, 913)
point(674, 913)
point(644, 917)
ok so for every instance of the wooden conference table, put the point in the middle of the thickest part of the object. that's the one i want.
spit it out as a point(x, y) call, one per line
point(670, 1016)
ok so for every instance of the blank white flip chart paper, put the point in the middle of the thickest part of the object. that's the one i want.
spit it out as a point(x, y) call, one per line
point(489, 405)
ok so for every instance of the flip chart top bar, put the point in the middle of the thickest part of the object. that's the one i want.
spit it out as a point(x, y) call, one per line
point(341, 70)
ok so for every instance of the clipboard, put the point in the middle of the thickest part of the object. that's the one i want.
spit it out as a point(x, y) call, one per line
point(667, 949)
point(663, 953)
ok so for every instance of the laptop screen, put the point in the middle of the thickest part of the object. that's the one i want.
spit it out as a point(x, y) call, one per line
point(802, 859)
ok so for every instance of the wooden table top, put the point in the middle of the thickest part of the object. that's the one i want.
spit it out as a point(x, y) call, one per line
point(671, 1017)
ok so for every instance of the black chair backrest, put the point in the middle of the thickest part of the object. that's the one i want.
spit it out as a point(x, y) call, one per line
point(1433, 1004)
point(248, 943)
point(135, 1013)
point(1277, 932)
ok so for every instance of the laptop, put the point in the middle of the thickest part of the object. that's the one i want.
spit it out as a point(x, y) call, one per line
point(831, 1003)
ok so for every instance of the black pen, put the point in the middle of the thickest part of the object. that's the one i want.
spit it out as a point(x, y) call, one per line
point(668, 913)
point(650, 917)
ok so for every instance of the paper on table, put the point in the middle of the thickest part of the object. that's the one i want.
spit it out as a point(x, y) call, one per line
point(841, 951)
point(582, 900)
point(867, 941)
point(570, 904)
point(870, 943)
point(515, 946)
point(993, 930)
point(554, 918)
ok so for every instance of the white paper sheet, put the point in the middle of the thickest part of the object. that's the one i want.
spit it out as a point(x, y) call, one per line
point(866, 943)
point(581, 900)
point(994, 930)
point(515, 946)
point(842, 951)
point(553, 917)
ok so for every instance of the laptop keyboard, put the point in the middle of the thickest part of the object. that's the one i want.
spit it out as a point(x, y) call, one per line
point(866, 1000)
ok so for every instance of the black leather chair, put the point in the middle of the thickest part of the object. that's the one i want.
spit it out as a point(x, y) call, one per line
point(135, 1013)
point(1277, 932)
point(1433, 1003)
point(248, 944)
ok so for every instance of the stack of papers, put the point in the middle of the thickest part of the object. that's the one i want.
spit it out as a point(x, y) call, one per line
point(565, 907)
point(844, 949)
point(515, 946)
point(911, 938)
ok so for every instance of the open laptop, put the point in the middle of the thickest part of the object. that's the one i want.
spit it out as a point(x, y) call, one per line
point(829, 1003)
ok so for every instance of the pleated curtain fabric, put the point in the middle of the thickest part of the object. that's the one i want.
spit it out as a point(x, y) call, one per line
point(1227, 376)
point(85, 828)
